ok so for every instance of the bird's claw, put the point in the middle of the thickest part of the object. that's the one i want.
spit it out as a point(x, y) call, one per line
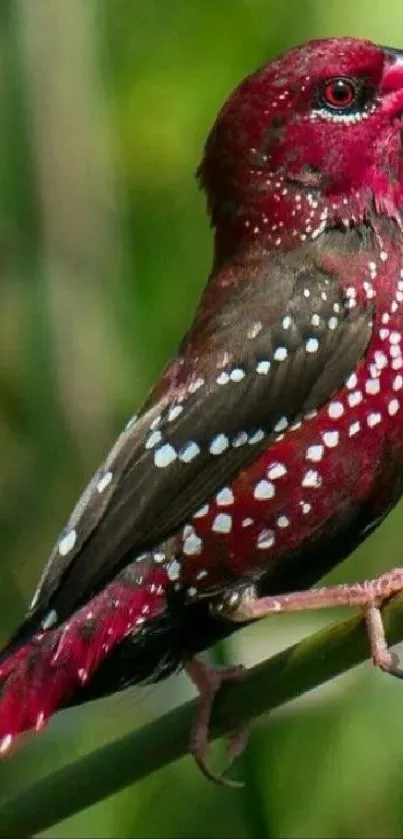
point(209, 680)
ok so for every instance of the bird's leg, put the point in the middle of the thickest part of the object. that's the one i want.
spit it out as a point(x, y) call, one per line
point(245, 605)
point(368, 596)
point(381, 655)
point(209, 680)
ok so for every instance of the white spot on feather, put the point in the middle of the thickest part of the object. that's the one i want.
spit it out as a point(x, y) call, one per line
point(225, 496)
point(281, 354)
point(239, 440)
point(131, 422)
point(154, 438)
point(192, 545)
point(372, 386)
point(393, 407)
point(265, 539)
point(49, 620)
point(189, 452)
point(312, 345)
point(315, 453)
point(67, 543)
point(104, 482)
point(381, 360)
point(195, 385)
point(201, 512)
point(281, 425)
point(222, 523)
point(219, 444)
point(237, 374)
point(256, 437)
point(335, 410)
point(276, 470)
point(254, 330)
point(174, 412)
point(264, 490)
point(164, 456)
point(173, 570)
point(351, 382)
point(373, 419)
point(354, 398)
point(312, 479)
point(330, 439)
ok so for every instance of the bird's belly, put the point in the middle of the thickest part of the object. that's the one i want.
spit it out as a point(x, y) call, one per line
point(338, 471)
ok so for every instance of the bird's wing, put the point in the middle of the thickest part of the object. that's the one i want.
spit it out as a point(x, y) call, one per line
point(276, 349)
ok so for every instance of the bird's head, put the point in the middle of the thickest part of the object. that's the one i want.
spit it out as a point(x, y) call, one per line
point(313, 137)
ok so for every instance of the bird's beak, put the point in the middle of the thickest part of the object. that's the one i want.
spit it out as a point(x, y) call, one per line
point(393, 70)
point(394, 53)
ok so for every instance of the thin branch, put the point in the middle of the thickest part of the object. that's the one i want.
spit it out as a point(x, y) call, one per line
point(321, 657)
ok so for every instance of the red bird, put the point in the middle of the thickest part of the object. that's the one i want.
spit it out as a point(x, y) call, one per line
point(273, 444)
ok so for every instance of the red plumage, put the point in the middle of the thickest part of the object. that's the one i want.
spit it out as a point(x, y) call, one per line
point(272, 445)
point(42, 675)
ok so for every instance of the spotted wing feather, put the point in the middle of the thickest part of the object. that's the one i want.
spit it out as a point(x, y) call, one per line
point(285, 343)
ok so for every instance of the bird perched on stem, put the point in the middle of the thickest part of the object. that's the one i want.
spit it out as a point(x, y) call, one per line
point(273, 444)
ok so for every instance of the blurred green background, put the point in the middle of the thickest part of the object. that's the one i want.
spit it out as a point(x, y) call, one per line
point(104, 250)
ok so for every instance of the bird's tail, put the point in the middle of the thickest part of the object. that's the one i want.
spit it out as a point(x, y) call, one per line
point(40, 675)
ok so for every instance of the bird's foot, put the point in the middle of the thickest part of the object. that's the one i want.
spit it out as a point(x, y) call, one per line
point(209, 680)
point(369, 596)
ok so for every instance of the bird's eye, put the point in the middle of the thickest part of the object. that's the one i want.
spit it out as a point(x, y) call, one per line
point(338, 95)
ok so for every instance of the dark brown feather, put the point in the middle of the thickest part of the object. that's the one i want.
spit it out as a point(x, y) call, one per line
point(308, 342)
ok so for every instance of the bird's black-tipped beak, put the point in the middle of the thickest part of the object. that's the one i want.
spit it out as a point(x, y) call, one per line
point(393, 70)
point(395, 54)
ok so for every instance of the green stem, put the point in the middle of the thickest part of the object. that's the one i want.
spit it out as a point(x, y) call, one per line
point(252, 797)
point(296, 670)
